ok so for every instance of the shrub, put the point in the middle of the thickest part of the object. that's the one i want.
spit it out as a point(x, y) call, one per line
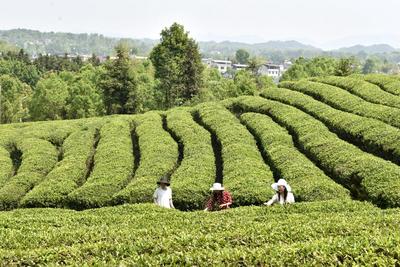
point(158, 157)
point(308, 182)
point(192, 180)
point(113, 166)
point(245, 174)
point(367, 91)
point(370, 134)
point(367, 176)
point(68, 175)
point(38, 158)
point(345, 101)
point(6, 166)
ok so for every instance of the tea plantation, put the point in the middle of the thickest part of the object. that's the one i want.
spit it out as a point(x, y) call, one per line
point(78, 192)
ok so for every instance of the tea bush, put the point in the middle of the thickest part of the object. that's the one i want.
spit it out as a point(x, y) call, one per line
point(309, 183)
point(370, 134)
point(367, 176)
point(113, 166)
point(158, 157)
point(245, 174)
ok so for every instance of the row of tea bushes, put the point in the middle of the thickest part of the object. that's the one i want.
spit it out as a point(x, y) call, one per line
point(367, 176)
point(370, 134)
point(345, 101)
point(309, 183)
point(245, 174)
point(158, 157)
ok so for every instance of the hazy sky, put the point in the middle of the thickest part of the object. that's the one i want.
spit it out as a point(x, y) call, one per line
point(326, 23)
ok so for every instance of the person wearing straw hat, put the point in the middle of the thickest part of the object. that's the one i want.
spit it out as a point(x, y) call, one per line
point(163, 194)
point(220, 198)
point(283, 194)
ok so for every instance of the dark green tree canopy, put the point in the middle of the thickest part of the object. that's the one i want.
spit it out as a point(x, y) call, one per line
point(177, 65)
point(119, 83)
point(242, 56)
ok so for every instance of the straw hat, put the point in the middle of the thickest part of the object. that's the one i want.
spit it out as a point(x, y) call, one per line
point(281, 182)
point(217, 187)
point(163, 180)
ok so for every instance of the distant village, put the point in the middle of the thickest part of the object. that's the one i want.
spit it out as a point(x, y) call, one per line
point(275, 71)
point(225, 67)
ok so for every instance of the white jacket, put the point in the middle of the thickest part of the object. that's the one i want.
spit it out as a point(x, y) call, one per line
point(275, 199)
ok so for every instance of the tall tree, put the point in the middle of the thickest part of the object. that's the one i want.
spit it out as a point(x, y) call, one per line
point(347, 66)
point(49, 98)
point(242, 56)
point(119, 83)
point(15, 96)
point(177, 65)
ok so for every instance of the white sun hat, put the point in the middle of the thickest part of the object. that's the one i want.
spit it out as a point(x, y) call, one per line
point(281, 182)
point(217, 187)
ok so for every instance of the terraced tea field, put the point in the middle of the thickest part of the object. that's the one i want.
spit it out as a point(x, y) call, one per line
point(335, 140)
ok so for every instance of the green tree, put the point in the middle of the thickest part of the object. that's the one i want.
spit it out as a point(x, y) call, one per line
point(84, 97)
point(119, 83)
point(370, 66)
point(49, 98)
point(15, 96)
point(305, 68)
point(26, 73)
point(242, 56)
point(347, 66)
point(177, 65)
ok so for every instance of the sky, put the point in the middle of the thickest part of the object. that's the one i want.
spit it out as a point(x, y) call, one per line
point(327, 24)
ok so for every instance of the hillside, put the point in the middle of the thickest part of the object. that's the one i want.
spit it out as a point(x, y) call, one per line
point(336, 140)
point(35, 42)
point(347, 149)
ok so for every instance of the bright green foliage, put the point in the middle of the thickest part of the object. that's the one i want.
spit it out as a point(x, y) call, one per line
point(49, 98)
point(367, 176)
point(26, 73)
point(385, 82)
point(177, 65)
point(345, 101)
point(85, 98)
point(6, 166)
point(192, 180)
point(158, 157)
point(70, 173)
point(113, 165)
point(14, 99)
point(38, 158)
point(347, 66)
point(305, 234)
point(245, 174)
point(304, 68)
point(309, 183)
point(365, 90)
point(372, 135)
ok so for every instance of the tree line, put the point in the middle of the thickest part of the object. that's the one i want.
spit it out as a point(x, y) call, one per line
point(59, 87)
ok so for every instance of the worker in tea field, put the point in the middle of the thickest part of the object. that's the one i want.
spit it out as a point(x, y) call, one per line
point(163, 194)
point(283, 194)
point(220, 198)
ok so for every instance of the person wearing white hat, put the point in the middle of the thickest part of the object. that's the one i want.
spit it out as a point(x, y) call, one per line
point(220, 198)
point(283, 194)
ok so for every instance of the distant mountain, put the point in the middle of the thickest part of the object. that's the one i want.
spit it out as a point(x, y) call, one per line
point(35, 42)
point(370, 49)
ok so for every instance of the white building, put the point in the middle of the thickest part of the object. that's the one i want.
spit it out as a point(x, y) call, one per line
point(221, 65)
point(238, 67)
point(271, 70)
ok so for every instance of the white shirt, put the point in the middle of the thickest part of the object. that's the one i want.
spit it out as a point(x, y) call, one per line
point(275, 199)
point(163, 197)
